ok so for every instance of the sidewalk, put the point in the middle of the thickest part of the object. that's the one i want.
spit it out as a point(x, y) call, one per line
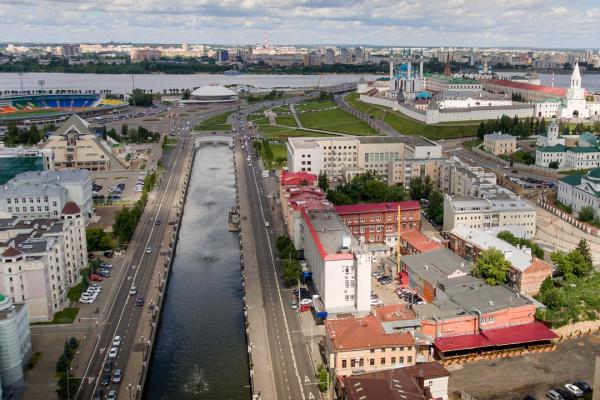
point(261, 370)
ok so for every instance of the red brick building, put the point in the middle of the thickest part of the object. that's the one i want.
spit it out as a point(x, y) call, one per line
point(378, 222)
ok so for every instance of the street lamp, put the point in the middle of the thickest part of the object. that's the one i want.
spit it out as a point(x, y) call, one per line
point(129, 390)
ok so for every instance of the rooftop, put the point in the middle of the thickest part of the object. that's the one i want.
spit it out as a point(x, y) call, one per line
point(499, 136)
point(586, 149)
point(363, 333)
point(419, 241)
point(331, 236)
point(551, 91)
point(296, 178)
point(377, 207)
point(557, 148)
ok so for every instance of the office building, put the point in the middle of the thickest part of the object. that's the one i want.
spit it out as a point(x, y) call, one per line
point(43, 194)
point(75, 146)
point(15, 342)
point(340, 266)
point(378, 222)
point(484, 213)
point(41, 259)
point(359, 345)
point(16, 160)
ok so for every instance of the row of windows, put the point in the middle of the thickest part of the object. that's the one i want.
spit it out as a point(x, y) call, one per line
point(378, 218)
point(24, 200)
point(383, 361)
point(31, 209)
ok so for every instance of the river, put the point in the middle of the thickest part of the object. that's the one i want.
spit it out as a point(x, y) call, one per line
point(201, 350)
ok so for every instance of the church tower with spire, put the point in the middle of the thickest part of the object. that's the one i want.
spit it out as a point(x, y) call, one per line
point(574, 104)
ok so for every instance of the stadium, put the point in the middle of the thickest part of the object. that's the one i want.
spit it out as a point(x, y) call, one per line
point(54, 108)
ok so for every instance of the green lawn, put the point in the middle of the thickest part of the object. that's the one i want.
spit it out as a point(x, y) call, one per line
point(75, 292)
point(279, 156)
point(335, 119)
point(66, 316)
point(409, 126)
point(473, 143)
point(314, 105)
point(216, 123)
point(287, 120)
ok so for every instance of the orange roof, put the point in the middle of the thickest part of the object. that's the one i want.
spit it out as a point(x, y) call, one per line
point(71, 208)
point(538, 265)
point(394, 312)
point(554, 91)
point(420, 242)
point(363, 333)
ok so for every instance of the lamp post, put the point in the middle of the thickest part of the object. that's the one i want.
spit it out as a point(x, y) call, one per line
point(129, 390)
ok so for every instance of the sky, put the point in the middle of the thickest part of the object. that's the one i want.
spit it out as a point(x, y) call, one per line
point(470, 23)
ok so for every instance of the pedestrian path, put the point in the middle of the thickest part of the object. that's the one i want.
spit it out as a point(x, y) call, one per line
point(293, 110)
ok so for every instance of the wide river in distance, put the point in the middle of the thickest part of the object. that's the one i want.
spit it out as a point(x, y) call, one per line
point(200, 351)
point(158, 82)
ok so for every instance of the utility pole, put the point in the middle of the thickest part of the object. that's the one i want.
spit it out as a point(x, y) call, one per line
point(398, 247)
point(21, 79)
point(133, 89)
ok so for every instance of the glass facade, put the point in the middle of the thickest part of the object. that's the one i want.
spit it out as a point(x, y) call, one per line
point(13, 166)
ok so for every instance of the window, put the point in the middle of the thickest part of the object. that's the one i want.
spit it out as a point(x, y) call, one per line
point(372, 350)
point(361, 362)
point(409, 359)
point(393, 360)
point(401, 360)
point(382, 360)
point(353, 363)
point(372, 361)
point(8, 201)
point(383, 350)
point(344, 363)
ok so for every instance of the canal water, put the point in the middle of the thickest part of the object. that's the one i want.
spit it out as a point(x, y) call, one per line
point(201, 350)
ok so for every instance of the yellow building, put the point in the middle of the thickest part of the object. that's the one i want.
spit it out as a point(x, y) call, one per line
point(499, 144)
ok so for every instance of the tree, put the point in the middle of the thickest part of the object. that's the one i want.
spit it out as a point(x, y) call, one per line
point(186, 95)
point(124, 130)
point(98, 240)
point(435, 210)
point(553, 164)
point(291, 271)
point(492, 267)
point(586, 214)
point(323, 183)
point(584, 248)
point(571, 265)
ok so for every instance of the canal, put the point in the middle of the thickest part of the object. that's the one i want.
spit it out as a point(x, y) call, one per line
point(200, 351)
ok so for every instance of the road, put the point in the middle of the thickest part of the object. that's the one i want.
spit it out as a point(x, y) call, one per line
point(290, 358)
point(123, 315)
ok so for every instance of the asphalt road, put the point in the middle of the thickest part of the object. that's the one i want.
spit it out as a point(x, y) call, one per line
point(291, 361)
point(123, 315)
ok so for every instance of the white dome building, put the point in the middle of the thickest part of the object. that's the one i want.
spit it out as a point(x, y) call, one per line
point(213, 94)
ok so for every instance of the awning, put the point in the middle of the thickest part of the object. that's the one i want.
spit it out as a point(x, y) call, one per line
point(514, 335)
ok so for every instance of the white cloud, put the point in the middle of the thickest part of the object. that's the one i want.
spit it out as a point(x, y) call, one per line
point(552, 23)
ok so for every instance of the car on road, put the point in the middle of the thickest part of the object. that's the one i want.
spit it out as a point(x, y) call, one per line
point(116, 341)
point(157, 222)
point(108, 366)
point(133, 291)
point(267, 224)
point(113, 352)
point(149, 250)
point(112, 395)
point(139, 301)
point(574, 390)
point(294, 305)
point(98, 394)
point(117, 376)
point(105, 381)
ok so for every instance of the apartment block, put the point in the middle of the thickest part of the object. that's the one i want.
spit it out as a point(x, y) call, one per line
point(41, 259)
point(401, 171)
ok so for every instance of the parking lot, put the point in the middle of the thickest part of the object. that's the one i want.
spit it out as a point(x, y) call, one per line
point(532, 374)
point(531, 183)
point(110, 179)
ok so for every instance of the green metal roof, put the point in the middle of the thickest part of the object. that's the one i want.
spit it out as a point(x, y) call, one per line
point(572, 180)
point(557, 148)
point(587, 149)
point(595, 173)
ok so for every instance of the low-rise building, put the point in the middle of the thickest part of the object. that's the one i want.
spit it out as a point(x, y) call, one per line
point(578, 157)
point(359, 345)
point(470, 181)
point(499, 144)
point(16, 160)
point(75, 146)
point(484, 213)
point(41, 259)
point(578, 191)
point(424, 381)
point(413, 241)
point(15, 342)
point(340, 265)
point(378, 222)
point(546, 155)
point(43, 194)
point(526, 273)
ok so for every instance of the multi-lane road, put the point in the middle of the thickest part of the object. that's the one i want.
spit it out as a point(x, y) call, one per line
point(122, 317)
point(292, 365)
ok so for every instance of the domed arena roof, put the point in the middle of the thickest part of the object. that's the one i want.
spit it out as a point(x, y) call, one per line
point(209, 91)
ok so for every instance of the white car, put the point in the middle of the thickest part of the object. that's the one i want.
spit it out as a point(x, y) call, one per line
point(86, 300)
point(112, 353)
point(267, 224)
point(305, 301)
point(149, 250)
point(133, 291)
point(574, 390)
point(116, 341)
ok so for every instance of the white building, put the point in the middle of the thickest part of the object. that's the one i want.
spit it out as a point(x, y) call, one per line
point(338, 156)
point(470, 181)
point(584, 157)
point(41, 259)
point(43, 194)
point(16, 160)
point(551, 137)
point(15, 342)
point(485, 213)
point(341, 267)
point(580, 191)
point(547, 108)
point(575, 105)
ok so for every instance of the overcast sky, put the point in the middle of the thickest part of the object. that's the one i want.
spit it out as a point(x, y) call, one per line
point(525, 23)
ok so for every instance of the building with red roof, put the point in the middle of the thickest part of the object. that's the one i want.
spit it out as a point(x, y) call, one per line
point(355, 345)
point(378, 222)
point(300, 178)
point(413, 241)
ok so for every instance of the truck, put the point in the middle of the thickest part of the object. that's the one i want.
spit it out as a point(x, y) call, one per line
point(319, 308)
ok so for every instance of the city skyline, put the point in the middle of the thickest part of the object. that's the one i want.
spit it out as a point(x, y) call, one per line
point(464, 23)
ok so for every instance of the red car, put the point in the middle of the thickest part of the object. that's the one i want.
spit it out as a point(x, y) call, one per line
point(95, 278)
point(304, 307)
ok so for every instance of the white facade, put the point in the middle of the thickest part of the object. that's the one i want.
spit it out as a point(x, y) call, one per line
point(15, 341)
point(40, 260)
point(551, 137)
point(547, 108)
point(581, 191)
point(574, 105)
point(482, 213)
point(341, 267)
point(470, 181)
point(546, 155)
point(43, 194)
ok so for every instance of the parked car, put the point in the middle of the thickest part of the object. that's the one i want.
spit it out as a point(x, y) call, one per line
point(139, 301)
point(565, 394)
point(305, 301)
point(112, 353)
point(529, 397)
point(583, 386)
point(105, 381)
point(108, 366)
point(117, 376)
point(112, 395)
point(98, 394)
point(86, 300)
point(106, 265)
point(108, 254)
point(116, 341)
point(554, 395)
point(574, 390)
